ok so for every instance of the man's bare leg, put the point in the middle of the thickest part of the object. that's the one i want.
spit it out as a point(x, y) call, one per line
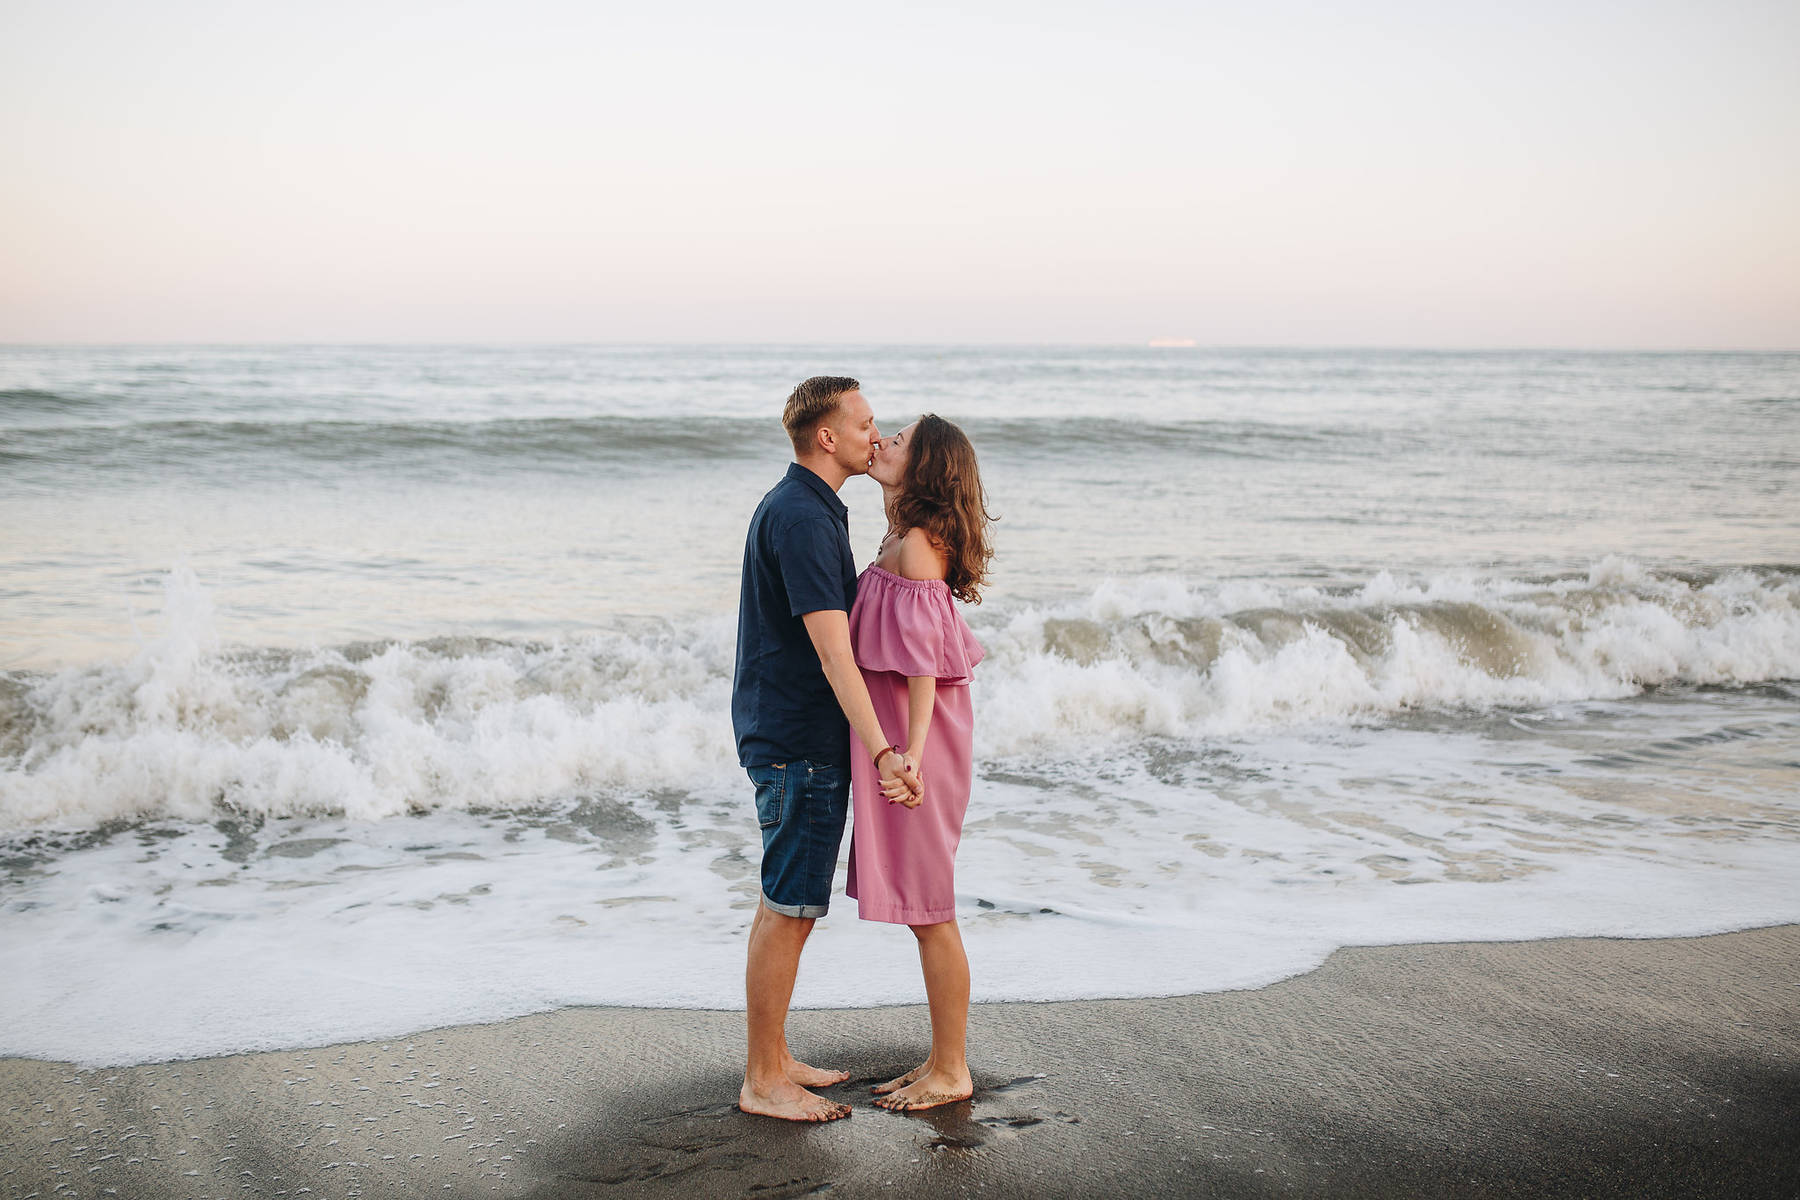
point(799, 1072)
point(943, 1078)
point(773, 963)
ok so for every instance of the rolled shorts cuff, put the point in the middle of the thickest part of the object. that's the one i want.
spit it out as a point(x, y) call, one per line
point(804, 911)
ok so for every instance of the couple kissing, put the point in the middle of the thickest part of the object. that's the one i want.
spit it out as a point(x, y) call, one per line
point(852, 691)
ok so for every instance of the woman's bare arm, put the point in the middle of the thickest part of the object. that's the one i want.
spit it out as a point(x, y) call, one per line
point(921, 695)
point(920, 558)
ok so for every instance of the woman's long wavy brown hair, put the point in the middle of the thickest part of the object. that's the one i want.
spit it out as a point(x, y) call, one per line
point(941, 493)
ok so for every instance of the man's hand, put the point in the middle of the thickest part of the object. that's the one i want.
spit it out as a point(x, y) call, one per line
point(900, 781)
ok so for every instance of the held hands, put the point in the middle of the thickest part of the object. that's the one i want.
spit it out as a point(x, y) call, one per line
point(900, 779)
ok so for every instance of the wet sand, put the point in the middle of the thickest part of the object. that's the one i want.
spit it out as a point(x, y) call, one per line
point(1589, 1067)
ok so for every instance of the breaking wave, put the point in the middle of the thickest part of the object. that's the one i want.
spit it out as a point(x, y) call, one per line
point(188, 728)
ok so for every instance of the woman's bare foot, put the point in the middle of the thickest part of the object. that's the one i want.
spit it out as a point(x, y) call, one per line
point(788, 1101)
point(812, 1077)
point(933, 1088)
point(895, 1084)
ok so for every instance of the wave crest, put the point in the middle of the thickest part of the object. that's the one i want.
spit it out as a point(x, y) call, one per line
point(1158, 657)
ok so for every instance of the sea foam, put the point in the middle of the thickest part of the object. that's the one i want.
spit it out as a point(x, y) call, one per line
point(1227, 868)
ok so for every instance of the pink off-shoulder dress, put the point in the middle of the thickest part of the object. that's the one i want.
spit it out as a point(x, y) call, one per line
point(903, 860)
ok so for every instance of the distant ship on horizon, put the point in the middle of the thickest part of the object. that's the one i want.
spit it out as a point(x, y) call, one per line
point(1165, 343)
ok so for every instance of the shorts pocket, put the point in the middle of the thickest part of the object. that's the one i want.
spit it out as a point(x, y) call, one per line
point(824, 780)
point(771, 794)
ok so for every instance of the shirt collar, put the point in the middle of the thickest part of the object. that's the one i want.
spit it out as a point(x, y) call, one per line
point(805, 475)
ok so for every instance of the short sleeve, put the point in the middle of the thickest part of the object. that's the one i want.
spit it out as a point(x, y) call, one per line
point(910, 627)
point(810, 553)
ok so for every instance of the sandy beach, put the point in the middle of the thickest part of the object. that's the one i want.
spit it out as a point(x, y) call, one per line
point(1591, 1067)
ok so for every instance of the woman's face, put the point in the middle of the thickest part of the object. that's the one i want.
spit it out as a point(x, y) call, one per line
point(889, 465)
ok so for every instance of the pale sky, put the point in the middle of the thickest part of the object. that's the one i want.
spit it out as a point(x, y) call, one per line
point(1377, 173)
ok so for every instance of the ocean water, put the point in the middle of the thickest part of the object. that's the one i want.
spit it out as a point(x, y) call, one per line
point(350, 691)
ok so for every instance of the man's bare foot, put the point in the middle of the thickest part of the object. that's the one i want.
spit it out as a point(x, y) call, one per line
point(812, 1077)
point(895, 1084)
point(930, 1090)
point(788, 1101)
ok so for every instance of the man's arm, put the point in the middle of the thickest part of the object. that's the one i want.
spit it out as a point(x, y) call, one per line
point(829, 629)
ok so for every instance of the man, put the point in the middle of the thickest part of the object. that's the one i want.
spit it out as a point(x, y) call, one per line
point(795, 697)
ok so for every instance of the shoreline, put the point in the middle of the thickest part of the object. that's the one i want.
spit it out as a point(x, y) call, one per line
point(1593, 1066)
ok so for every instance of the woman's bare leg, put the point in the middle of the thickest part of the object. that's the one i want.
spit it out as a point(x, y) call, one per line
point(943, 1078)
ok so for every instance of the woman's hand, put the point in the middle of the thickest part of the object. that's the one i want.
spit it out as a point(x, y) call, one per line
point(916, 757)
point(896, 790)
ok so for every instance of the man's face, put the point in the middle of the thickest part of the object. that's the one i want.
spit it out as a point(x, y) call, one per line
point(855, 433)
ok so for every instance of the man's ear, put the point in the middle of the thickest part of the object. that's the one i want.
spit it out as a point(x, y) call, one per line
point(826, 437)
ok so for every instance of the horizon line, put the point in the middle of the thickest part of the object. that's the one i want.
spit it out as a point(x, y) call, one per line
point(1144, 344)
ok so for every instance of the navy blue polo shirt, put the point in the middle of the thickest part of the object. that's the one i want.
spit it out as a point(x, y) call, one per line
point(796, 560)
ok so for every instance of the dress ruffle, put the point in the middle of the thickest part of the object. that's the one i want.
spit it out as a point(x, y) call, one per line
point(911, 627)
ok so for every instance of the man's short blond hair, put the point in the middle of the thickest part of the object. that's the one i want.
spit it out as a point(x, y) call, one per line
point(812, 404)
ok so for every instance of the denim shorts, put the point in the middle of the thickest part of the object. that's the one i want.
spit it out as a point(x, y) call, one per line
point(801, 806)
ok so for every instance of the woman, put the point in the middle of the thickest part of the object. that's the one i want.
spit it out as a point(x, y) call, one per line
point(916, 656)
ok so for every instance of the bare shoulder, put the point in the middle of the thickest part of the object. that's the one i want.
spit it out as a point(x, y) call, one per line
point(921, 557)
